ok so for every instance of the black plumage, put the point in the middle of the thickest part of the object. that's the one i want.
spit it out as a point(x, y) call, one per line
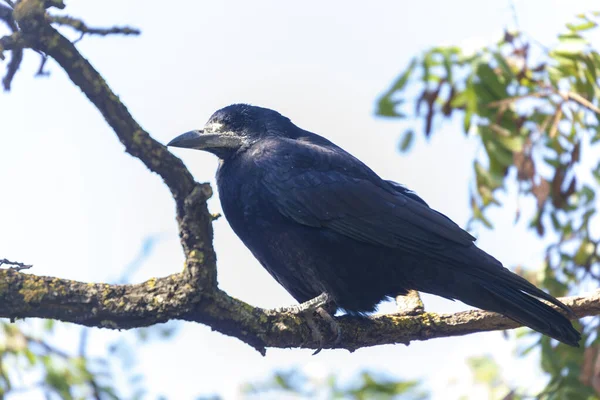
point(321, 221)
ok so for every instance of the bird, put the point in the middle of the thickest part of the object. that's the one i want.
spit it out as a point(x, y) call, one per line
point(326, 226)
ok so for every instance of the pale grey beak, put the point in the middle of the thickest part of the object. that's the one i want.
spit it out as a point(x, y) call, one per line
point(199, 140)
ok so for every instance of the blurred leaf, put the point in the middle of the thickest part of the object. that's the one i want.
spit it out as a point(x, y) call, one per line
point(584, 26)
point(407, 140)
point(570, 44)
point(484, 369)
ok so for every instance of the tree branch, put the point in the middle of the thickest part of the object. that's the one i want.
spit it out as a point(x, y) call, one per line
point(17, 51)
point(190, 197)
point(82, 27)
point(16, 265)
point(172, 297)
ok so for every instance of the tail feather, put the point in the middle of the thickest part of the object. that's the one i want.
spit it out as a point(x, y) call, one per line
point(481, 281)
point(518, 282)
point(528, 310)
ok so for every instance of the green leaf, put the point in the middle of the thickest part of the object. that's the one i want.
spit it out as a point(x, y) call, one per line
point(584, 26)
point(478, 214)
point(489, 82)
point(591, 68)
point(584, 253)
point(507, 72)
point(570, 44)
point(407, 140)
point(484, 177)
point(31, 357)
point(387, 108)
point(404, 76)
point(513, 143)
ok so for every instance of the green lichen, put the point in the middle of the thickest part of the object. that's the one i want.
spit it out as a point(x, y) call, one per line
point(196, 256)
point(3, 285)
point(138, 137)
point(33, 289)
point(429, 319)
point(151, 283)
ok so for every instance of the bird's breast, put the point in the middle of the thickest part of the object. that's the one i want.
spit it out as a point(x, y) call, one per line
point(245, 202)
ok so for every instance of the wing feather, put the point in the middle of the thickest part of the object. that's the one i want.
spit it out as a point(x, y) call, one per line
point(328, 188)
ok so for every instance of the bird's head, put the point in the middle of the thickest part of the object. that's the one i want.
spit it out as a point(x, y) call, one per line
point(232, 128)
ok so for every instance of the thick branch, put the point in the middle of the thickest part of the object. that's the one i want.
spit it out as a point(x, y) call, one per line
point(192, 212)
point(159, 300)
point(31, 17)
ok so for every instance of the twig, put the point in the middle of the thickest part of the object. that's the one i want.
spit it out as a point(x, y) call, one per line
point(54, 3)
point(84, 29)
point(41, 71)
point(12, 68)
point(18, 266)
point(507, 101)
point(515, 15)
point(47, 347)
point(578, 99)
point(6, 16)
point(566, 96)
point(555, 121)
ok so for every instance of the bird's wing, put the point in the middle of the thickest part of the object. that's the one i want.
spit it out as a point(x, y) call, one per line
point(333, 190)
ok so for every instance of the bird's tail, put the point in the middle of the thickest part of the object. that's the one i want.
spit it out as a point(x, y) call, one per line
point(494, 288)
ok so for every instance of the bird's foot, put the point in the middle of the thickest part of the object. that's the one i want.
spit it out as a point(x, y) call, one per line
point(316, 332)
point(410, 303)
point(320, 306)
point(310, 305)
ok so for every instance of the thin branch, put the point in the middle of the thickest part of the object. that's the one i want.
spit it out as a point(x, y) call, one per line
point(566, 96)
point(6, 14)
point(578, 99)
point(80, 26)
point(13, 42)
point(47, 347)
point(17, 266)
point(509, 100)
point(515, 16)
point(54, 3)
point(41, 71)
point(12, 68)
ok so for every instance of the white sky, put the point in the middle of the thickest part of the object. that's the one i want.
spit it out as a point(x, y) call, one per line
point(77, 206)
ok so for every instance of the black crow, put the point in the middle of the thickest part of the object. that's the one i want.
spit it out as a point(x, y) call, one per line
point(322, 222)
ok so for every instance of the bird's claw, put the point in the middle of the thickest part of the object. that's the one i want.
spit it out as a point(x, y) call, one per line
point(308, 308)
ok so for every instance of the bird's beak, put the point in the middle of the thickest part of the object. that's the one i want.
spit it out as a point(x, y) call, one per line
point(199, 140)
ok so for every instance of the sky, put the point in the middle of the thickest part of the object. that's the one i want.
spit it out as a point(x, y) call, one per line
point(77, 206)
